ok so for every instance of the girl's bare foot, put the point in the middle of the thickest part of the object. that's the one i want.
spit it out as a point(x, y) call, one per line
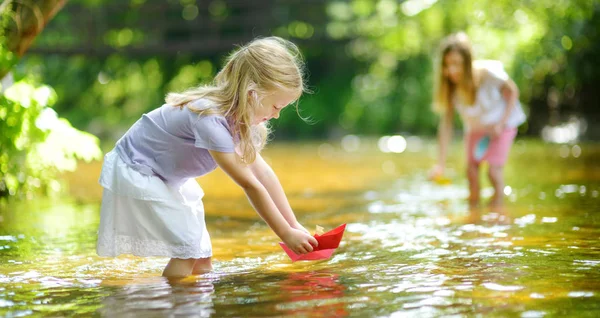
point(497, 201)
point(473, 202)
point(474, 215)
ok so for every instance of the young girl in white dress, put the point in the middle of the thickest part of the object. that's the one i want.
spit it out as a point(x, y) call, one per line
point(152, 205)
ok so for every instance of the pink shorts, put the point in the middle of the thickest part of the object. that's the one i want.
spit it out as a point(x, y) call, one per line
point(497, 151)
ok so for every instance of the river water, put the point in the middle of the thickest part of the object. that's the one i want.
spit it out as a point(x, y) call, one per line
point(411, 247)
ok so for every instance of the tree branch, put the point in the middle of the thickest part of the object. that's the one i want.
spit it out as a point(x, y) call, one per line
point(28, 19)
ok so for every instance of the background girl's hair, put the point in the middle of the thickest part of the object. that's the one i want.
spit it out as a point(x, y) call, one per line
point(263, 66)
point(445, 90)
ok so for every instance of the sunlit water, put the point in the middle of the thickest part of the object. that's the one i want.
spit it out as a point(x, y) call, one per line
point(411, 248)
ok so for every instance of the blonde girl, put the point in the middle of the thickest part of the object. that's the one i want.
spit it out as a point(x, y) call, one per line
point(152, 205)
point(487, 102)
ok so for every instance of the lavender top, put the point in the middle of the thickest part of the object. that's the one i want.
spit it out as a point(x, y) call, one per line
point(173, 143)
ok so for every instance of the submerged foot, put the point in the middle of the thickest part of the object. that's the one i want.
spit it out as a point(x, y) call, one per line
point(473, 202)
point(497, 201)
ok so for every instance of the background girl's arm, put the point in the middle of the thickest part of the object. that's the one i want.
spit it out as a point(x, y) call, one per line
point(297, 240)
point(510, 92)
point(267, 177)
point(444, 137)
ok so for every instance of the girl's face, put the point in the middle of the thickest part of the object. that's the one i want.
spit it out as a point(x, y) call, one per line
point(454, 67)
point(271, 105)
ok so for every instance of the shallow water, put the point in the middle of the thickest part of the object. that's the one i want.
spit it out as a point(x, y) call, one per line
point(411, 248)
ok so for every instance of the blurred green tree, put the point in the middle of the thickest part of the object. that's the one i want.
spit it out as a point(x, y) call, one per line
point(21, 22)
point(35, 144)
point(370, 61)
point(398, 41)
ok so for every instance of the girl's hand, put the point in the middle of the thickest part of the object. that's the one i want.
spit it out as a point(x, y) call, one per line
point(299, 241)
point(496, 129)
point(436, 172)
point(299, 226)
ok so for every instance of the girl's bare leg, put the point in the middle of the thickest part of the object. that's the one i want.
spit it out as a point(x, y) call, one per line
point(178, 267)
point(496, 175)
point(202, 266)
point(473, 177)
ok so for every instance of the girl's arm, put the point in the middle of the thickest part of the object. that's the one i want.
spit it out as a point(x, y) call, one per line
point(510, 93)
point(267, 177)
point(297, 240)
point(444, 136)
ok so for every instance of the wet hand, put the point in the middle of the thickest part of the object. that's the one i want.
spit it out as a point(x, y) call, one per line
point(299, 226)
point(496, 130)
point(436, 172)
point(299, 241)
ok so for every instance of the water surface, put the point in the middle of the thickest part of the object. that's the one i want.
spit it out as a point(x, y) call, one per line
point(411, 248)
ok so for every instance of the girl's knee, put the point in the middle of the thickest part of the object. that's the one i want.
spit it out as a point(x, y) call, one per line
point(203, 261)
point(496, 170)
point(472, 168)
point(183, 261)
point(496, 173)
point(202, 265)
point(178, 267)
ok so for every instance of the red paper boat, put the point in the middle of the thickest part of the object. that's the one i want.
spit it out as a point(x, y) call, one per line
point(328, 242)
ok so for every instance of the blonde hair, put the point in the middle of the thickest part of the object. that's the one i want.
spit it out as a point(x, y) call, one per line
point(445, 90)
point(263, 66)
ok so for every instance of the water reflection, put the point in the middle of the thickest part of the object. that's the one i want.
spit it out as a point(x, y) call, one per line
point(314, 294)
point(158, 297)
point(411, 247)
point(496, 215)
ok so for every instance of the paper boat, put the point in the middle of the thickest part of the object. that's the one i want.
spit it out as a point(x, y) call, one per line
point(328, 242)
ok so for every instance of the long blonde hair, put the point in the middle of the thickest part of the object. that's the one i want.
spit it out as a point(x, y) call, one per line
point(263, 66)
point(445, 90)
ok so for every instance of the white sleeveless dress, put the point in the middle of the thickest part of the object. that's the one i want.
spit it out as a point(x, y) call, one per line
point(143, 216)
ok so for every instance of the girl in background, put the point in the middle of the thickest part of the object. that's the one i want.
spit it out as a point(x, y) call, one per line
point(487, 101)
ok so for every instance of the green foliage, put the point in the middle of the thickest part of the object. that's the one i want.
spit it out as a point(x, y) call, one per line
point(106, 96)
point(35, 144)
point(370, 63)
point(7, 58)
point(397, 42)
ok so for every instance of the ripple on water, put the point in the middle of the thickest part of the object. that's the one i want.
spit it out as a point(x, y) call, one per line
point(411, 249)
point(578, 294)
point(498, 287)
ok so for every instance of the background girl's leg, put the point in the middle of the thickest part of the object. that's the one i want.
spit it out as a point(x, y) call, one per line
point(202, 265)
point(495, 173)
point(178, 267)
point(473, 177)
point(471, 138)
point(496, 157)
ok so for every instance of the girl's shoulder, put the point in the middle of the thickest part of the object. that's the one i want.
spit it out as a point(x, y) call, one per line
point(486, 67)
point(487, 64)
point(490, 69)
point(203, 108)
point(200, 104)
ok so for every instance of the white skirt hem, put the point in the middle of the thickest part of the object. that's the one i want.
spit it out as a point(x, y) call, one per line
point(115, 245)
